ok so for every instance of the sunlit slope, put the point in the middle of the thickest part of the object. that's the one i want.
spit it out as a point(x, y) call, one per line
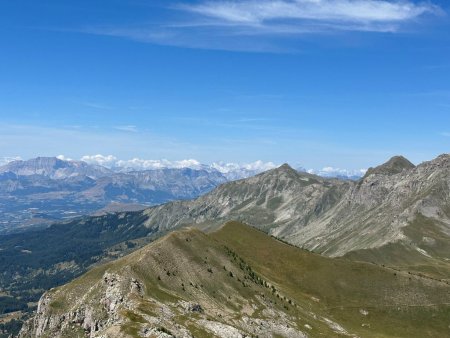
point(397, 303)
point(239, 281)
point(426, 252)
point(185, 284)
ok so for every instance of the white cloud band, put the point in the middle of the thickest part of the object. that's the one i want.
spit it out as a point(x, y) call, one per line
point(297, 16)
point(256, 12)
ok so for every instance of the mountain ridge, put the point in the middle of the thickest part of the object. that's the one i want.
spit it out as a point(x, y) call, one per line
point(40, 191)
point(394, 165)
point(400, 220)
point(54, 168)
point(228, 284)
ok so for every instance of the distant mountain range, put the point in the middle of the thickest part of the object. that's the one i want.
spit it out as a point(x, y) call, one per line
point(45, 189)
point(54, 168)
point(327, 215)
point(397, 215)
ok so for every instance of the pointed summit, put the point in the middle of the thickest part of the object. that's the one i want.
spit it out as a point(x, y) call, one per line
point(395, 165)
point(284, 169)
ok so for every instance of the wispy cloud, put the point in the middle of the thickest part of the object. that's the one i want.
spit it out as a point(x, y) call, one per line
point(96, 105)
point(445, 134)
point(216, 24)
point(347, 14)
point(127, 128)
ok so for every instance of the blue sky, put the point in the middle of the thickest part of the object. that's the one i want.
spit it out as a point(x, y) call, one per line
point(313, 83)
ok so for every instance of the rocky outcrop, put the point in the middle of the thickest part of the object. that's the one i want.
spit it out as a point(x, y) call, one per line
point(93, 312)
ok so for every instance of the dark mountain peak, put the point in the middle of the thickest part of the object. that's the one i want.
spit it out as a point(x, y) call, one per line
point(286, 168)
point(286, 171)
point(399, 162)
point(395, 165)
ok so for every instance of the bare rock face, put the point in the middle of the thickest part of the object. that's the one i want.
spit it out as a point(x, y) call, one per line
point(91, 312)
point(274, 200)
point(330, 216)
point(374, 211)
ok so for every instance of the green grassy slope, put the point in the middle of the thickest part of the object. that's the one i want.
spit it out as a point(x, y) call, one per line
point(398, 304)
point(185, 266)
point(251, 282)
point(426, 252)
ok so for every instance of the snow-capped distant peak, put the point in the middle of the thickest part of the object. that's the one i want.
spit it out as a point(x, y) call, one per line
point(113, 162)
point(238, 171)
point(106, 161)
point(338, 173)
point(141, 164)
point(230, 170)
